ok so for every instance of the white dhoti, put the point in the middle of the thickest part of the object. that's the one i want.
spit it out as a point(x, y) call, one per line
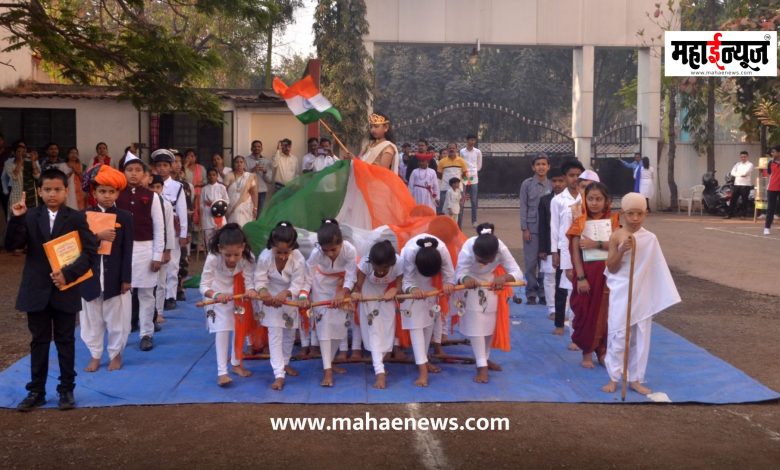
point(638, 354)
point(99, 316)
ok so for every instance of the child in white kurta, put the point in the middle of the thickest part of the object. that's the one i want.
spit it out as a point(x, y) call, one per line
point(653, 292)
point(170, 239)
point(229, 256)
point(280, 275)
point(424, 185)
point(421, 266)
point(379, 275)
point(212, 192)
point(477, 262)
point(331, 270)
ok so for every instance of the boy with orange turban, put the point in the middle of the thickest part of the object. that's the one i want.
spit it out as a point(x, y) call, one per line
point(105, 297)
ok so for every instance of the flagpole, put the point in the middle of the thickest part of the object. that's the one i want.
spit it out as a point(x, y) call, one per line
point(338, 141)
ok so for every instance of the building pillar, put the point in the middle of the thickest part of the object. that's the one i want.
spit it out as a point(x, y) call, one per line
point(648, 108)
point(582, 103)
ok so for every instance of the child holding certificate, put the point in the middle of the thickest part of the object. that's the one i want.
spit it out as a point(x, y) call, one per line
point(589, 234)
point(51, 310)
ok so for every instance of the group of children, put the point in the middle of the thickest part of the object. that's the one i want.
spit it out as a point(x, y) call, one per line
point(342, 290)
point(583, 254)
point(347, 291)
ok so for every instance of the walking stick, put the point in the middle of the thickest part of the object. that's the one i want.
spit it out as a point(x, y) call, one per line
point(628, 319)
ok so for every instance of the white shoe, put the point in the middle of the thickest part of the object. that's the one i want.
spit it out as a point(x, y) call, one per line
point(766, 231)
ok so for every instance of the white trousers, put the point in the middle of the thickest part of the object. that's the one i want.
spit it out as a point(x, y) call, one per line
point(421, 340)
point(637, 356)
point(100, 316)
point(172, 272)
point(378, 359)
point(357, 339)
point(159, 292)
point(328, 348)
point(223, 344)
point(481, 347)
point(280, 343)
point(146, 305)
point(549, 291)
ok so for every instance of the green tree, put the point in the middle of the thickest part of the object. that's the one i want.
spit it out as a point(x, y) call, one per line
point(157, 53)
point(292, 68)
point(339, 27)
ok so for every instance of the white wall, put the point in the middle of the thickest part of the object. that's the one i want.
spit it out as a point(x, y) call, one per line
point(269, 126)
point(112, 122)
point(689, 167)
point(526, 22)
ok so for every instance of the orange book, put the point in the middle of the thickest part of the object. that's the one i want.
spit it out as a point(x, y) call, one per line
point(99, 221)
point(63, 251)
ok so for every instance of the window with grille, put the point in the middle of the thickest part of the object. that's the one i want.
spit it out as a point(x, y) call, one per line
point(39, 126)
point(181, 131)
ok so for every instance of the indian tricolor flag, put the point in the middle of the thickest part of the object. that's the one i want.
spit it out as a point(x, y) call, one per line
point(305, 100)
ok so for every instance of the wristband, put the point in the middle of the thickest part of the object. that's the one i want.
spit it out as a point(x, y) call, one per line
point(580, 278)
point(216, 294)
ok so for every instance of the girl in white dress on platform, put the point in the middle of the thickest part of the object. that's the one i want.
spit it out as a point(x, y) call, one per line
point(280, 275)
point(477, 262)
point(426, 264)
point(331, 270)
point(379, 275)
point(229, 256)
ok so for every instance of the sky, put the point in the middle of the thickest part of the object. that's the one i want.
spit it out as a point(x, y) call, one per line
point(299, 36)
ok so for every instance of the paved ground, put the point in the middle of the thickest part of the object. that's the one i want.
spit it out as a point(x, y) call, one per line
point(725, 279)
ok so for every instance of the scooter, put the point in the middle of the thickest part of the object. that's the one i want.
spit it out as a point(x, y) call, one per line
point(728, 190)
point(715, 197)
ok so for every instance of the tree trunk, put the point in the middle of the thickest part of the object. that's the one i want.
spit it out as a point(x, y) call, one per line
point(711, 84)
point(672, 145)
point(269, 49)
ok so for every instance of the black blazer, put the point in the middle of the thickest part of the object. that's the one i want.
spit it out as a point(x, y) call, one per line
point(117, 267)
point(544, 223)
point(31, 230)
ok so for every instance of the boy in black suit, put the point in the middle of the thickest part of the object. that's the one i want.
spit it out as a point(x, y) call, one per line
point(106, 300)
point(51, 312)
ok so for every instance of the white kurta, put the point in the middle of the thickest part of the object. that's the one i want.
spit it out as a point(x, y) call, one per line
point(210, 194)
point(378, 331)
point(420, 313)
point(218, 277)
point(144, 252)
point(646, 187)
point(292, 278)
point(654, 291)
point(241, 212)
point(560, 222)
point(325, 277)
point(479, 318)
point(424, 186)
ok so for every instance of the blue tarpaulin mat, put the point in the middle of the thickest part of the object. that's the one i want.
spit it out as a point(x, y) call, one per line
point(182, 369)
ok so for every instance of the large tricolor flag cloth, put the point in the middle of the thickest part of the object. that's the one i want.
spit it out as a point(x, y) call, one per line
point(305, 100)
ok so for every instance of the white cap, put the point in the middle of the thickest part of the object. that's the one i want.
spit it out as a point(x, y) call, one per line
point(590, 175)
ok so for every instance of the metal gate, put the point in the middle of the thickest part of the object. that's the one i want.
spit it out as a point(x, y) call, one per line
point(506, 159)
point(616, 143)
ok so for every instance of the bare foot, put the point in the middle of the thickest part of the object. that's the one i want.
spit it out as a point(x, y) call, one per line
point(611, 387)
point(94, 365)
point(639, 388)
point(573, 347)
point(314, 352)
point(240, 371)
point(303, 354)
point(356, 356)
point(327, 378)
point(116, 363)
point(422, 378)
point(278, 384)
point(587, 361)
point(224, 380)
point(437, 351)
point(482, 375)
point(341, 357)
point(494, 366)
point(160, 318)
point(398, 354)
point(339, 370)
point(290, 371)
point(602, 362)
point(432, 368)
point(558, 331)
point(380, 381)
point(551, 316)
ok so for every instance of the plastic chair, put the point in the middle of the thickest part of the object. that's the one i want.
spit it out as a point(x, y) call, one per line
point(694, 195)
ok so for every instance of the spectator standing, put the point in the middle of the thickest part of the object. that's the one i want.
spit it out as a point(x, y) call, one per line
point(742, 172)
point(473, 157)
point(531, 191)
